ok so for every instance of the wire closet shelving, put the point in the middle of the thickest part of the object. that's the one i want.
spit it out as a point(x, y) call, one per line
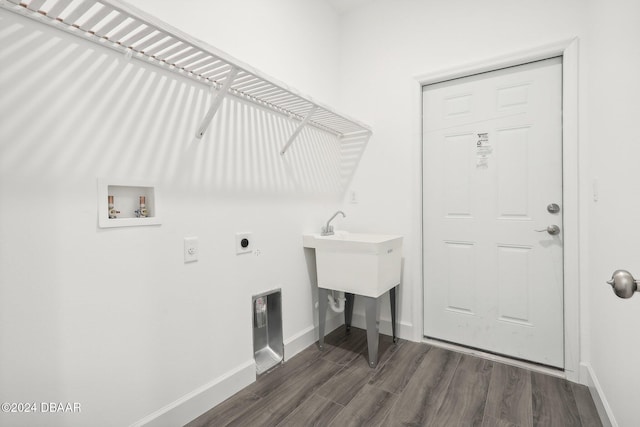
point(120, 26)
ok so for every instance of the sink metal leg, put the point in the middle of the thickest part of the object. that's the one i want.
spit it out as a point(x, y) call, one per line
point(392, 299)
point(323, 294)
point(348, 309)
point(371, 314)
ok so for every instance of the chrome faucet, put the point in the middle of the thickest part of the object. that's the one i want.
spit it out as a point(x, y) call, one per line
point(328, 229)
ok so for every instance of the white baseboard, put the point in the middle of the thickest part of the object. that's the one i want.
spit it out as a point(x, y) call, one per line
point(600, 400)
point(197, 402)
point(308, 336)
point(404, 331)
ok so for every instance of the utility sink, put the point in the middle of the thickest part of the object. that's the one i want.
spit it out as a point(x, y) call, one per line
point(357, 263)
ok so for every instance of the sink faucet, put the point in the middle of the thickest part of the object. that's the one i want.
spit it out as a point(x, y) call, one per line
point(328, 229)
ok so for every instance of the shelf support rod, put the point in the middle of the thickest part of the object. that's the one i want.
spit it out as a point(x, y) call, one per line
point(298, 129)
point(217, 101)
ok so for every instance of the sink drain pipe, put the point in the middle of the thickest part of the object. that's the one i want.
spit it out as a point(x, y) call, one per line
point(336, 303)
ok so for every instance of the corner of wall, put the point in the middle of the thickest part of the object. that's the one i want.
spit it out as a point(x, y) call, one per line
point(599, 399)
point(404, 330)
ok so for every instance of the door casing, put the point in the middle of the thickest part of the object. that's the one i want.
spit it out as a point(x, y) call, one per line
point(573, 270)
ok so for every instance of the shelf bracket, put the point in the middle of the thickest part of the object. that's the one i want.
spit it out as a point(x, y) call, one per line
point(217, 101)
point(298, 129)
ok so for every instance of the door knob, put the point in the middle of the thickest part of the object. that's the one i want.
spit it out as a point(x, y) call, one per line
point(623, 284)
point(552, 229)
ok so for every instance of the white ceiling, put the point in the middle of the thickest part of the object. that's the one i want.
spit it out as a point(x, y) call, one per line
point(345, 6)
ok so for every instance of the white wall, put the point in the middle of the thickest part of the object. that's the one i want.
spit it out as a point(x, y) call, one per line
point(113, 318)
point(384, 47)
point(613, 90)
point(294, 41)
point(387, 43)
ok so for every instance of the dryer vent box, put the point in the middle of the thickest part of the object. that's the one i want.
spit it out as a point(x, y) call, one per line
point(268, 345)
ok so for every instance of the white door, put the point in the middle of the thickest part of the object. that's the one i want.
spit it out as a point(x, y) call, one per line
point(492, 165)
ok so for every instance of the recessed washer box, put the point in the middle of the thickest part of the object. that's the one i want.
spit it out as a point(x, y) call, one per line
point(126, 196)
point(244, 242)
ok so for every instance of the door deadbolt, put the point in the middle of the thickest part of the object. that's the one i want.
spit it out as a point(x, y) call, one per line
point(553, 208)
point(552, 229)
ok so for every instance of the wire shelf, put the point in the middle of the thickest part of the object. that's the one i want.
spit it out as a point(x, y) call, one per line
point(118, 25)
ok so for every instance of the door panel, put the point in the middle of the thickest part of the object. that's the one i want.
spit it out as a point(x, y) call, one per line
point(492, 163)
point(513, 286)
point(513, 173)
point(457, 175)
point(460, 278)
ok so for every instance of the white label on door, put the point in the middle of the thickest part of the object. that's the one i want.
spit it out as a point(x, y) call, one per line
point(483, 150)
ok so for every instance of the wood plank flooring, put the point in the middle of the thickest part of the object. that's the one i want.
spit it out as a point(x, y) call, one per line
point(414, 385)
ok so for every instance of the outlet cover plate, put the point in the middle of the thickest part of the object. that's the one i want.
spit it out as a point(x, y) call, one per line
point(190, 249)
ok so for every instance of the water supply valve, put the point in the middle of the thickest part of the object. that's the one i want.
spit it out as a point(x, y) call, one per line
point(142, 212)
point(113, 213)
point(623, 284)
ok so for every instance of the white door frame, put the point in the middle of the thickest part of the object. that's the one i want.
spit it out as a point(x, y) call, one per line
point(568, 49)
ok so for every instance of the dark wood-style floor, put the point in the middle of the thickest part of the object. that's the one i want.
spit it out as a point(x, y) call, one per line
point(414, 385)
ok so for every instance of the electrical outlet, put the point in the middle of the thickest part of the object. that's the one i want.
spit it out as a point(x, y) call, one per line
point(190, 249)
point(244, 242)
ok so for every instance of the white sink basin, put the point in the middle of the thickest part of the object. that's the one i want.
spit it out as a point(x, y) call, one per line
point(362, 264)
